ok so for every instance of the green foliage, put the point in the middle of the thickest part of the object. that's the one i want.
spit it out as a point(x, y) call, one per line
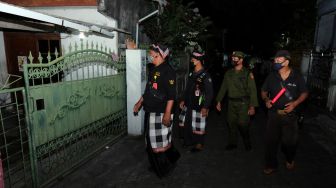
point(178, 26)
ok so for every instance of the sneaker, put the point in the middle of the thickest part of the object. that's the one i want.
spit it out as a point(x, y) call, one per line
point(230, 147)
point(290, 166)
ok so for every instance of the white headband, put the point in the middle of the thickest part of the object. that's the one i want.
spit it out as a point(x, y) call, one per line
point(197, 54)
point(163, 53)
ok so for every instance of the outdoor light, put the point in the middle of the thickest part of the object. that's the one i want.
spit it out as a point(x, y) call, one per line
point(81, 35)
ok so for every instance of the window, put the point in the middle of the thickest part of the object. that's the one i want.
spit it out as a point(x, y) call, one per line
point(45, 46)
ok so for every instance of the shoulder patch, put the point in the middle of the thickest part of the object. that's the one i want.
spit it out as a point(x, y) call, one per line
point(251, 76)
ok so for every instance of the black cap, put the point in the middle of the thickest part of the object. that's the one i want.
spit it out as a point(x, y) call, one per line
point(283, 53)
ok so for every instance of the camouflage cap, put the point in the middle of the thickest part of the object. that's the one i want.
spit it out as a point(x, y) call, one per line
point(238, 54)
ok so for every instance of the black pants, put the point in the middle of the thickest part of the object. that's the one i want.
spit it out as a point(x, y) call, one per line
point(281, 129)
point(163, 162)
point(186, 131)
point(198, 139)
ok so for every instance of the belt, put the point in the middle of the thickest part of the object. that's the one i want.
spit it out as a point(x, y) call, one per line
point(283, 113)
point(239, 99)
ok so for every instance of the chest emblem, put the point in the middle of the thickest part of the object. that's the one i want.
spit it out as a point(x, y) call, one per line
point(171, 82)
point(291, 84)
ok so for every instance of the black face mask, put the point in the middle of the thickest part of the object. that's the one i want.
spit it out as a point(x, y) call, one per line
point(234, 63)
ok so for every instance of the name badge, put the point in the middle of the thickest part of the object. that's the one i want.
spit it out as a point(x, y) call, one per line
point(155, 85)
point(197, 93)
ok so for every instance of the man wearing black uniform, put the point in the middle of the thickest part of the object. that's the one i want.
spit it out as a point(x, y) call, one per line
point(283, 90)
point(158, 100)
point(195, 104)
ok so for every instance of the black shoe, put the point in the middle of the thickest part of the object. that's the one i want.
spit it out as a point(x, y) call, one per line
point(170, 171)
point(248, 147)
point(150, 169)
point(185, 145)
point(195, 150)
point(230, 147)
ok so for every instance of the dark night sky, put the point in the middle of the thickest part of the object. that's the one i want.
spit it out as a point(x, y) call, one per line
point(254, 25)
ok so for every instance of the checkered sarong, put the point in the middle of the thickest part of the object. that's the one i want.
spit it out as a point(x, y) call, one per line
point(198, 122)
point(182, 117)
point(159, 135)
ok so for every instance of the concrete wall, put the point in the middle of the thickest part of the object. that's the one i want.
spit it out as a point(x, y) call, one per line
point(86, 14)
point(4, 97)
point(127, 13)
point(325, 34)
point(3, 61)
point(325, 6)
point(325, 38)
point(39, 3)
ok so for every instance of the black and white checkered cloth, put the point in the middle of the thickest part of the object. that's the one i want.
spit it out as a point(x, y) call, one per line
point(182, 116)
point(159, 135)
point(198, 122)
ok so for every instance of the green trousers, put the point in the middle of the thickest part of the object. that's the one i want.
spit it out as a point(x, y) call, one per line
point(238, 120)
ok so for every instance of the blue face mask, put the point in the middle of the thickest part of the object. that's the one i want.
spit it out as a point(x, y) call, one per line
point(277, 66)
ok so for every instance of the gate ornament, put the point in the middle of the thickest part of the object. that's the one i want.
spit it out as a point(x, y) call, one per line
point(8, 81)
point(74, 101)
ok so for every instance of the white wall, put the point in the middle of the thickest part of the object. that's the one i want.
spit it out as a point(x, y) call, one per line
point(3, 61)
point(85, 14)
point(136, 83)
point(4, 97)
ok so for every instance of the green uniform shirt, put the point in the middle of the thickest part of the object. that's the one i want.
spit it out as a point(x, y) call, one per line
point(238, 84)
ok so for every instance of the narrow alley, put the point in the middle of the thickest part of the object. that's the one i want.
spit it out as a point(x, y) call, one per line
point(125, 163)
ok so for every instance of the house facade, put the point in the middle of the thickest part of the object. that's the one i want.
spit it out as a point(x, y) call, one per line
point(319, 65)
point(325, 35)
point(82, 13)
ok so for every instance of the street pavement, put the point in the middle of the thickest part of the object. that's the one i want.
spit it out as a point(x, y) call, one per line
point(125, 164)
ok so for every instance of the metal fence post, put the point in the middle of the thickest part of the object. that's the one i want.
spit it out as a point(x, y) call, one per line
point(31, 142)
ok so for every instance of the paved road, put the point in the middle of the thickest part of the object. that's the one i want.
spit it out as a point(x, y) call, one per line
point(125, 163)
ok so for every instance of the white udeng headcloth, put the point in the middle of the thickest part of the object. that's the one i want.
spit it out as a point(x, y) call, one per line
point(164, 54)
point(196, 54)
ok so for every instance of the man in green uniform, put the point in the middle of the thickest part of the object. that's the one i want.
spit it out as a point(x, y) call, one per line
point(240, 87)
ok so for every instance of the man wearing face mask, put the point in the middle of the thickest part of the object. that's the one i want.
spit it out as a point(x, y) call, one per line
point(158, 100)
point(282, 124)
point(240, 87)
point(195, 103)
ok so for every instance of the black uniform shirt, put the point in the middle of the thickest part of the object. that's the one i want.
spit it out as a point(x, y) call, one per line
point(294, 84)
point(160, 88)
point(202, 82)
